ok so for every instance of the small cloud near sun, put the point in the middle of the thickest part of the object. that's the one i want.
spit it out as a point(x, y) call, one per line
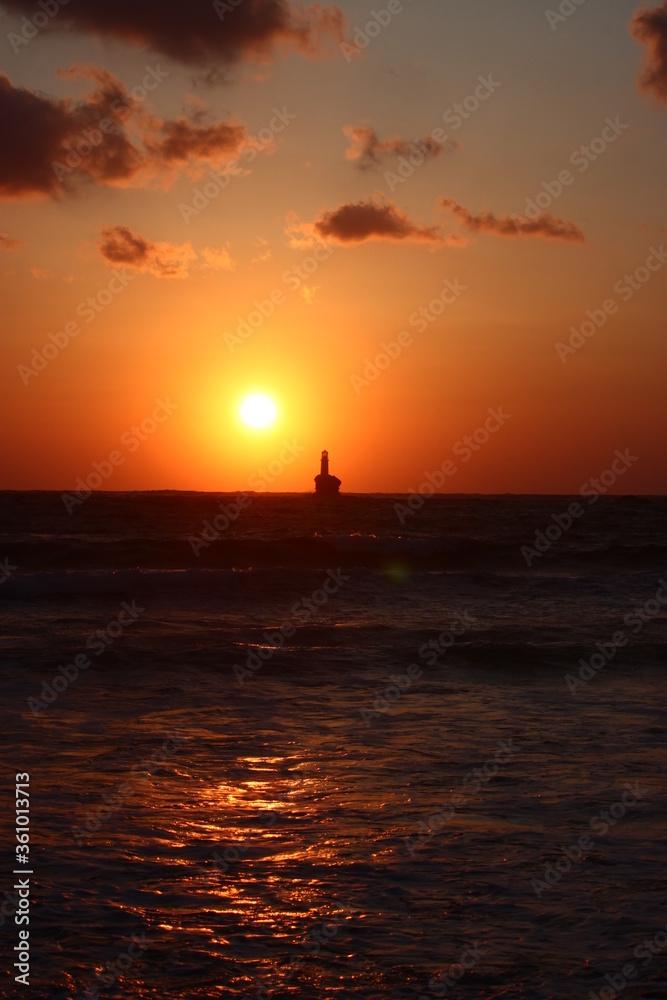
point(163, 260)
point(218, 259)
point(358, 222)
point(119, 245)
point(544, 225)
point(263, 251)
point(381, 220)
point(367, 150)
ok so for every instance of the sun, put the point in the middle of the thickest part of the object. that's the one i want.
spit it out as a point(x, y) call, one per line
point(258, 411)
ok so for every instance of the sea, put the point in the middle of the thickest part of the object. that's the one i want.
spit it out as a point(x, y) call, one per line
point(273, 746)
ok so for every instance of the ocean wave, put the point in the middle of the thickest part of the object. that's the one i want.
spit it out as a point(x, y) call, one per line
point(373, 552)
point(271, 580)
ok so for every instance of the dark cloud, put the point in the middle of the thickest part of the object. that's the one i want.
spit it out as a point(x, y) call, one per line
point(358, 222)
point(366, 149)
point(108, 137)
point(41, 133)
point(184, 140)
point(649, 27)
point(164, 260)
point(545, 225)
point(199, 32)
point(369, 220)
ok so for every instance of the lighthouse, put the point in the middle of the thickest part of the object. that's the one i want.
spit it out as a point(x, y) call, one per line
point(325, 484)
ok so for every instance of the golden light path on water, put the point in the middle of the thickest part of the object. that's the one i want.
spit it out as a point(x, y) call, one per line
point(250, 894)
point(306, 873)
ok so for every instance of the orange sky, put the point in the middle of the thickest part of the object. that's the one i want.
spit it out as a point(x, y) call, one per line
point(478, 180)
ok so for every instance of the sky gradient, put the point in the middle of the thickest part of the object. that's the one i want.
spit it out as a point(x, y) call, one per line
point(392, 223)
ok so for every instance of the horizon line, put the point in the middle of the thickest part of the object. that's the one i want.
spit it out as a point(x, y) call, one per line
point(311, 493)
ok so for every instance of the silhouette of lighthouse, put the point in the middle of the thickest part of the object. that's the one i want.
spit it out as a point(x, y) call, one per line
point(326, 485)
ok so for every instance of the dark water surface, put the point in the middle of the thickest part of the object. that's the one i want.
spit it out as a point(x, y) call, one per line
point(327, 754)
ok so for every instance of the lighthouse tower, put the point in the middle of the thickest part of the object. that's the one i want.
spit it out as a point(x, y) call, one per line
point(325, 484)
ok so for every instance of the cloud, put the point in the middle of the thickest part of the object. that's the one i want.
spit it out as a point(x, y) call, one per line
point(649, 28)
point(544, 225)
point(263, 251)
point(362, 221)
point(218, 259)
point(7, 243)
point(202, 33)
point(182, 140)
point(46, 132)
point(367, 150)
point(164, 260)
point(119, 245)
point(106, 138)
